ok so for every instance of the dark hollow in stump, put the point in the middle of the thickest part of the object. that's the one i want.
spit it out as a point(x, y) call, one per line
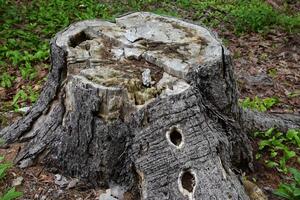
point(147, 104)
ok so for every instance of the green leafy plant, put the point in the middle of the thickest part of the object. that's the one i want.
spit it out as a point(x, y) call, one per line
point(11, 193)
point(3, 167)
point(259, 16)
point(28, 72)
point(290, 191)
point(21, 95)
point(32, 94)
point(6, 80)
point(253, 16)
point(277, 145)
point(259, 104)
point(14, 56)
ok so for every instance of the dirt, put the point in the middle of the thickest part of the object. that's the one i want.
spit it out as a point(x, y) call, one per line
point(38, 183)
point(274, 56)
point(7, 94)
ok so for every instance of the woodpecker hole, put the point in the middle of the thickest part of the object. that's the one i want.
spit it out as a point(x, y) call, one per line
point(175, 136)
point(188, 181)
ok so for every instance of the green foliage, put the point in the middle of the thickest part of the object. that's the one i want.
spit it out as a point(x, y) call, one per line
point(32, 95)
point(277, 146)
point(21, 95)
point(244, 15)
point(28, 72)
point(290, 191)
point(259, 16)
point(24, 95)
point(3, 167)
point(6, 80)
point(254, 16)
point(290, 23)
point(11, 193)
point(259, 104)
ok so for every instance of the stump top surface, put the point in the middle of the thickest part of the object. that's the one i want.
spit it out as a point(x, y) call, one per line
point(169, 43)
point(139, 57)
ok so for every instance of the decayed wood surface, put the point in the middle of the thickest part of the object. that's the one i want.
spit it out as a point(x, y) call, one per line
point(147, 105)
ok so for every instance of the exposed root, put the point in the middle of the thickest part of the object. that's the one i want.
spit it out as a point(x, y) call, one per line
point(253, 121)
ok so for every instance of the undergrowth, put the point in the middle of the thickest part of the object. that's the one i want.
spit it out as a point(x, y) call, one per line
point(290, 191)
point(279, 147)
point(259, 104)
point(280, 151)
point(11, 193)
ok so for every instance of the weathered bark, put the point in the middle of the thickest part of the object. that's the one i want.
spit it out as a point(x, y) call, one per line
point(179, 136)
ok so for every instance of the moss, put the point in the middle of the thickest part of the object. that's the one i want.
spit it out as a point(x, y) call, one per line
point(138, 93)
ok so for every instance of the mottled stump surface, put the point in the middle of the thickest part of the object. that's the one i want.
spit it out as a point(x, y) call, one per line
point(147, 104)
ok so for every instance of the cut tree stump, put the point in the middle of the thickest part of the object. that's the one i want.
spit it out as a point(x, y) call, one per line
point(147, 105)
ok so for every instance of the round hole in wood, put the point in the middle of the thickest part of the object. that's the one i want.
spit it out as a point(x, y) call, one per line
point(175, 136)
point(188, 181)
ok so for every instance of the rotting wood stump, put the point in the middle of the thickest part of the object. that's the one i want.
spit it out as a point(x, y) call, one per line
point(147, 104)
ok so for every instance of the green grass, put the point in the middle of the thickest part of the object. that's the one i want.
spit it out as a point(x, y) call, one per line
point(27, 26)
point(258, 16)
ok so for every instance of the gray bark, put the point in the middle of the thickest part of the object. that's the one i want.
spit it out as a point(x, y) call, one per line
point(178, 134)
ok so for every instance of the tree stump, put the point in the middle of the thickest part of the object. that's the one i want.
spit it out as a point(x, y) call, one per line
point(147, 104)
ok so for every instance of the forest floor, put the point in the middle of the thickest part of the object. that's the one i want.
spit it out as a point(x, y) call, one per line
point(266, 58)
